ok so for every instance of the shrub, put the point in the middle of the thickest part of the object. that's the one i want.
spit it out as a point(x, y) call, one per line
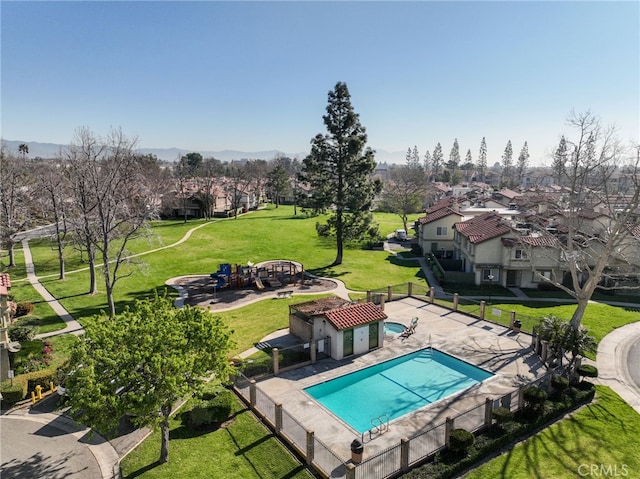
point(211, 411)
point(23, 308)
point(28, 320)
point(588, 371)
point(323, 229)
point(21, 333)
point(534, 398)
point(502, 415)
point(544, 286)
point(460, 440)
point(11, 394)
point(559, 383)
point(42, 378)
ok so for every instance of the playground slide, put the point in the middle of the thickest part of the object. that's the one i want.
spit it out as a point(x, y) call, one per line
point(259, 284)
point(219, 279)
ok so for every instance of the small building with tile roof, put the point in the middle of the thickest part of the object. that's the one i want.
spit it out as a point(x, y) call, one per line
point(347, 328)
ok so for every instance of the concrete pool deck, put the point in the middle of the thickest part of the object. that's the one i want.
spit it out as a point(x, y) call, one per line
point(482, 343)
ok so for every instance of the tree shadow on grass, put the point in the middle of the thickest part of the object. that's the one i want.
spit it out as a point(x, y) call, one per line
point(327, 272)
point(143, 470)
point(186, 431)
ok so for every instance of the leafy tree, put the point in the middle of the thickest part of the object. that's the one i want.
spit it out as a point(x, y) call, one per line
point(338, 170)
point(142, 361)
point(454, 158)
point(437, 162)
point(427, 163)
point(191, 162)
point(507, 165)
point(468, 164)
point(186, 170)
point(482, 159)
point(563, 338)
point(278, 182)
point(559, 164)
point(523, 162)
point(23, 149)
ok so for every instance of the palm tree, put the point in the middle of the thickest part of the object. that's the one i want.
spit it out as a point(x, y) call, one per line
point(23, 149)
point(563, 338)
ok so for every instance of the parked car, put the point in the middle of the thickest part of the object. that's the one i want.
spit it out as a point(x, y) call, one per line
point(401, 235)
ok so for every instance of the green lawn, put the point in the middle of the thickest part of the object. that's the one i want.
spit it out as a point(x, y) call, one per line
point(272, 233)
point(243, 449)
point(253, 322)
point(600, 319)
point(603, 433)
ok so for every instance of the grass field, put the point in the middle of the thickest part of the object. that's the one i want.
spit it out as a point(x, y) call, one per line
point(601, 433)
point(242, 449)
point(273, 233)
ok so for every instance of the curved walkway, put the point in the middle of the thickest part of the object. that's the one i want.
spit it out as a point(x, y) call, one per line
point(613, 364)
point(71, 325)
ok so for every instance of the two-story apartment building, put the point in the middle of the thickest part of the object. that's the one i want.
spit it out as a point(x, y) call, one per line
point(478, 244)
point(435, 231)
point(526, 259)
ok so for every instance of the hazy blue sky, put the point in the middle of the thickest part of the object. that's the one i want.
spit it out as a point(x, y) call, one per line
point(254, 76)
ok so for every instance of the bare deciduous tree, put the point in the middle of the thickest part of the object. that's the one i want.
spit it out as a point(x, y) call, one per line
point(111, 200)
point(595, 223)
point(14, 194)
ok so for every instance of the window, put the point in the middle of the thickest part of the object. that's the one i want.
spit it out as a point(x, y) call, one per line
point(441, 231)
point(521, 254)
point(489, 275)
point(536, 276)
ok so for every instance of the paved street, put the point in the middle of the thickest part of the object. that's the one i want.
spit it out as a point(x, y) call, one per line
point(48, 445)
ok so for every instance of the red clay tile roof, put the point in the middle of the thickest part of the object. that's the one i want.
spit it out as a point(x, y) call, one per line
point(5, 283)
point(319, 306)
point(483, 228)
point(507, 193)
point(355, 315)
point(438, 214)
point(531, 241)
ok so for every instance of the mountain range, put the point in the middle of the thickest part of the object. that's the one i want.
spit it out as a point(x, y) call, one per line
point(51, 150)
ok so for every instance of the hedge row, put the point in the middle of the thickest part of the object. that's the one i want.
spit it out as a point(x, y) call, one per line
point(25, 383)
point(448, 463)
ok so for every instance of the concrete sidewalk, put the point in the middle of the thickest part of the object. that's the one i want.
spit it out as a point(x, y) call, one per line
point(613, 366)
point(71, 325)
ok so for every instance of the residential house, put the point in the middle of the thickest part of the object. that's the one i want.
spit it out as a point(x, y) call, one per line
point(351, 328)
point(521, 253)
point(435, 230)
point(478, 245)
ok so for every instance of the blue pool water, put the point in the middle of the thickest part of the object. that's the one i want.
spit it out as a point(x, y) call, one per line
point(393, 328)
point(395, 387)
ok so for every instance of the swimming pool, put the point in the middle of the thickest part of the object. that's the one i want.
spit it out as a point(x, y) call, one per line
point(395, 387)
point(393, 328)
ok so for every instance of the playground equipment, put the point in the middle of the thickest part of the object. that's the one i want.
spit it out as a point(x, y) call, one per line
point(269, 273)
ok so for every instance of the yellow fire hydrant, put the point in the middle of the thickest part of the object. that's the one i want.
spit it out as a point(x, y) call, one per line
point(39, 391)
